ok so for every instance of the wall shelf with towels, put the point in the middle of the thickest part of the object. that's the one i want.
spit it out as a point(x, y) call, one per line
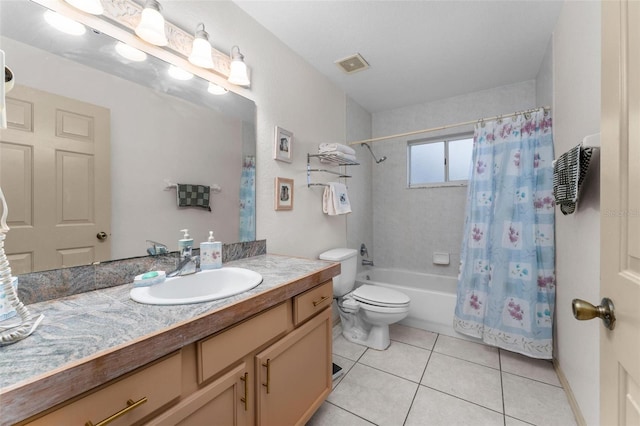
point(332, 159)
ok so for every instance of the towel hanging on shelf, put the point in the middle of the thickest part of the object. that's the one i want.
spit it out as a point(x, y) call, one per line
point(335, 200)
point(189, 195)
point(324, 148)
point(569, 171)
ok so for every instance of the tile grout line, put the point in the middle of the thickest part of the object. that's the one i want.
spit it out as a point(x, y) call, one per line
point(504, 411)
point(352, 413)
point(415, 394)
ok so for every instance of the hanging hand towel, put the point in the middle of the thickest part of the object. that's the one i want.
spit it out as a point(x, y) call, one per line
point(569, 172)
point(325, 148)
point(327, 202)
point(193, 195)
point(337, 199)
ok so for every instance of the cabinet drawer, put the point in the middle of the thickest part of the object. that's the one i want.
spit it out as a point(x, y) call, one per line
point(159, 383)
point(312, 301)
point(217, 352)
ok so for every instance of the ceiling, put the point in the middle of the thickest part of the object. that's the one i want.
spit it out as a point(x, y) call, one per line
point(418, 51)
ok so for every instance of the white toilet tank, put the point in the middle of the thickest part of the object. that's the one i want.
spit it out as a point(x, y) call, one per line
point(348, 258)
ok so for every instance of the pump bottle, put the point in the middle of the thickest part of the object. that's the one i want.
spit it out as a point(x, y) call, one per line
point(211, 253)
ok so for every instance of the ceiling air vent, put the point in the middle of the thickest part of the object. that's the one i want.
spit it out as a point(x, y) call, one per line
point(353, 63)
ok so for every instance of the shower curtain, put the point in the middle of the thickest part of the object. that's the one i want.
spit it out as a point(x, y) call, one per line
point(506, 285)
point(248, 199)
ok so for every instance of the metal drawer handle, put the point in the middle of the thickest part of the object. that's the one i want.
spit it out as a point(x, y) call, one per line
point(268, 365)
point(130, 406)
point(322, 299)
point(244, 399)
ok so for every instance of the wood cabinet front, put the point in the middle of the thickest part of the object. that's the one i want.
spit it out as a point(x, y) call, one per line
point(149, 388)
point(294, 374)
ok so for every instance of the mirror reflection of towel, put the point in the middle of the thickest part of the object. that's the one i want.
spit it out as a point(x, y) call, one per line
point(193, 195)
point(335, 199)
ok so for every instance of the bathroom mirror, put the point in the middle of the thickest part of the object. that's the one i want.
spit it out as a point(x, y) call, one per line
point(162, 131)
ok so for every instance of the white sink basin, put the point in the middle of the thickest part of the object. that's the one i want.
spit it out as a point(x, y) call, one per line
point(203, 286)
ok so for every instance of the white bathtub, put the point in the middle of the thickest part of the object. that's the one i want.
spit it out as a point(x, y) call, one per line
point(433, 297)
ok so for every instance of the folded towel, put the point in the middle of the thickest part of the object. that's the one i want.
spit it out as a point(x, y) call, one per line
point(337, 157)
point(337, 147)
point(335, 200)
point(569, 172)
point(193, 195)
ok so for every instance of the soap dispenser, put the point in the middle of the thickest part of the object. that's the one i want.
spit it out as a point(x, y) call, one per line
point(185, 245)
point(211, 253)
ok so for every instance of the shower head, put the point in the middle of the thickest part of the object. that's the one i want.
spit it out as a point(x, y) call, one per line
point(373, 155)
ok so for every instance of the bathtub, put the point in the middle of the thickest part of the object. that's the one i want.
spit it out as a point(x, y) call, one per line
point(433, 297)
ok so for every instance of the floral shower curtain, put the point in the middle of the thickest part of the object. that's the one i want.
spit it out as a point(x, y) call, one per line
point(248, 199)
point(506, 286)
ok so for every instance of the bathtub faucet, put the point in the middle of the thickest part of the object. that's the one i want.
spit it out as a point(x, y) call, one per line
point(366, 262)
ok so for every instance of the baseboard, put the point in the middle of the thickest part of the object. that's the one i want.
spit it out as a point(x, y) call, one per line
point(572, 399)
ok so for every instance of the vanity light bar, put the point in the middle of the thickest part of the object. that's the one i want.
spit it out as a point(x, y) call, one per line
point(127, 14)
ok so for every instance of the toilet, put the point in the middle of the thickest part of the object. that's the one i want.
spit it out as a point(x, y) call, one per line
point(367, 311)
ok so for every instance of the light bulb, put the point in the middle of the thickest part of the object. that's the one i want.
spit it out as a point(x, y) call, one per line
point(201, 49)
point(151, 26)
point(179, 74)
point(238, 69)
point(64, 24)
point(214, 89)
point(130, 53)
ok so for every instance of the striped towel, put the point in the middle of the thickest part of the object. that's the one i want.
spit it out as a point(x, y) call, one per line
point(569, 172)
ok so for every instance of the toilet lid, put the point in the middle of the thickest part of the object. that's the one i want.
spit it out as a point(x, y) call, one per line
point(378, 295)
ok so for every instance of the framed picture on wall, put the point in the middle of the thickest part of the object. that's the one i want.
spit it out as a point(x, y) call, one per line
point(282, 145)
point(283, 194)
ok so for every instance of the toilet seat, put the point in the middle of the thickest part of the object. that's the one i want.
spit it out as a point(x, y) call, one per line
point(380, 297)
point(383, 309)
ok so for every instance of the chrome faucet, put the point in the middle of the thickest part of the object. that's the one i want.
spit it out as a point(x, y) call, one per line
point(188, 265)
point(155, 248)
point(365, 253)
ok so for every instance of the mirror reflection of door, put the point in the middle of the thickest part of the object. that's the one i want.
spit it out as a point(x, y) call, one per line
point(55, 173)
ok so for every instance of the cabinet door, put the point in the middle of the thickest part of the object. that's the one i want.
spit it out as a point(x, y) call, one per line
point(293, 376)
point(224, 402)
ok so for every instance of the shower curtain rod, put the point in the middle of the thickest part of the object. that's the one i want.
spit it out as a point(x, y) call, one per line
point(448, 126)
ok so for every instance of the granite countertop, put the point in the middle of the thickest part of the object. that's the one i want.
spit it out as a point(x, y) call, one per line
point(90, 338)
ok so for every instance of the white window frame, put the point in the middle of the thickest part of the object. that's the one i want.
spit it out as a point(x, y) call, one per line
point(438, 139)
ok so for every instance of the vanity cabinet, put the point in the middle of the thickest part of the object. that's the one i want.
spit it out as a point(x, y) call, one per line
point(265, 371)
point(294, 374)
point(132, 397)
point(271, 369)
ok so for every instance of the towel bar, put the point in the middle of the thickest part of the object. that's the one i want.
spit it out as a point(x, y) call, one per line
point(590, 141)
point(168, 185)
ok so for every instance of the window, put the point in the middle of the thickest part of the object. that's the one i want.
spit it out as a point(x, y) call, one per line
point(440, 161)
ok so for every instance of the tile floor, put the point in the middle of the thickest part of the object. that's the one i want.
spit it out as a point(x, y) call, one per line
point(425, 378)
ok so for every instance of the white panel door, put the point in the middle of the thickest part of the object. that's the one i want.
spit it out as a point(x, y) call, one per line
point(55, 173)
point(620, 212)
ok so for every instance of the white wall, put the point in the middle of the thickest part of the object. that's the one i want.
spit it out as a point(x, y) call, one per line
point(576, 113)
point(153, 136)
point(360, 221)
point(410, 224)
point(289, 93)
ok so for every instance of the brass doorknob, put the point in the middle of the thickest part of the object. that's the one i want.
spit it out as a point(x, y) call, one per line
point(583, 310)
point(101, 235)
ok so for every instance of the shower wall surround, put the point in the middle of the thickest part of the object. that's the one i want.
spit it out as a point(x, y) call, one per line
point(410, 224)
